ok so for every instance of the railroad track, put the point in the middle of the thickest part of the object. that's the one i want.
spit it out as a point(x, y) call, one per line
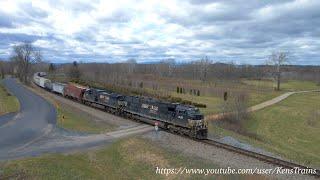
point(261, 157)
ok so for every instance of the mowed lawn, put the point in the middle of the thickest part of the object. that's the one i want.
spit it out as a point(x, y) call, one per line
point(8, 103)
point(291, 128)
point(132, 158)
point(74, 120)
point(290, 85)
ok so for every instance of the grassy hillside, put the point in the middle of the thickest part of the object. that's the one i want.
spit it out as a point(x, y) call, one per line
point(8, 103)
point(290, 128)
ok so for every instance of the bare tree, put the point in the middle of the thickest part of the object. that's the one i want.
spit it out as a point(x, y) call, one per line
point(235, 109)
point(74, 72)
point(204, 68)
point(52, 68)
point(277, 60)
point(24, 56)
point(2, 69)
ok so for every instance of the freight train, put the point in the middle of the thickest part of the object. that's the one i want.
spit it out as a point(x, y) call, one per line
point(175, 117)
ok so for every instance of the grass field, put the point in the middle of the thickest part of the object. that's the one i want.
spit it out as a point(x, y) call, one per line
point(74, 120)
point(8, 103)
point(291, 85)
point(290, 128)
point(132, 158)
point(255, 97)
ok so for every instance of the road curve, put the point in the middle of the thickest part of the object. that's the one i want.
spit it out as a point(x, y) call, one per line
point(35, 119)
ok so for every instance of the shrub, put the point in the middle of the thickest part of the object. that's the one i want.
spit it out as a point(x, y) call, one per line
point(235, 109)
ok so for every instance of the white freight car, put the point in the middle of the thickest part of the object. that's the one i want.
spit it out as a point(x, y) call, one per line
point(36, 79)
point(43, 81)
point(58, 88)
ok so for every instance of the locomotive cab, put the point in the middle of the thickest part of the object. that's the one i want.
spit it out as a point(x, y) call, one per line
point(197, 123)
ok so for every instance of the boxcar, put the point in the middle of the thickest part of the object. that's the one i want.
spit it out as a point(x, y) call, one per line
point(58, 88)
point(74, 91)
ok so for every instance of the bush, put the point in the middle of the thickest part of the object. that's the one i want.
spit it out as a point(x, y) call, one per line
point(235, 109)
point(199, 105)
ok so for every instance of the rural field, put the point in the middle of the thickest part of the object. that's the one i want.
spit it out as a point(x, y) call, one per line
point(289, 128)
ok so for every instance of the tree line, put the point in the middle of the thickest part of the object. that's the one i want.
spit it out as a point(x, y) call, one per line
point(25, 59)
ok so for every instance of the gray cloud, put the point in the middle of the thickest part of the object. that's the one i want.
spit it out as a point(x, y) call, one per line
point(5, 21)
point(235, 30)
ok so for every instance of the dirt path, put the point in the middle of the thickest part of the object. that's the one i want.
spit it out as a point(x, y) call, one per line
point(261, 105)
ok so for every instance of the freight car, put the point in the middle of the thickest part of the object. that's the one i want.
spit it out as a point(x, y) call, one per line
point(41, 81)
point(58, 88)
point(74, 91)
point(36, 79)
point(48, 85)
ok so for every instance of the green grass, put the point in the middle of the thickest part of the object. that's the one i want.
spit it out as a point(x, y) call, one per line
point(132, 158)
point(291, 85)
point(290, 128)
point(71, 119)
point(8, 103)
point(259, 97)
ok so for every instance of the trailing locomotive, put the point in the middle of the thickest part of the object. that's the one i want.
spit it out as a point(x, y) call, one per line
point(177, 118)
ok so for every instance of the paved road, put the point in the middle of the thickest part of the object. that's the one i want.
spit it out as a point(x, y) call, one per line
point(33, 131)
point(35, 118)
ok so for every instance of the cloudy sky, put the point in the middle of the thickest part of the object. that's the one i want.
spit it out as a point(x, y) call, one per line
point(243, 32)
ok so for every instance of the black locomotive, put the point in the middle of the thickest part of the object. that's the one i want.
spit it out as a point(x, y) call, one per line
point(182, 119)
